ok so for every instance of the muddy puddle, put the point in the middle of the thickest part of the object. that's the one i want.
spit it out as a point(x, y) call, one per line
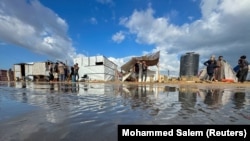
point(91, 111)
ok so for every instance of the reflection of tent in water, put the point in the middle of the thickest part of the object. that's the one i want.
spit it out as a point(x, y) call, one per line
point(150, 59)
point(229, 73)
point(215, 97)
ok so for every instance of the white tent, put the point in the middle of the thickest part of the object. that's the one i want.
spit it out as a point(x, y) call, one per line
point(230, 74)
point(96, 68)
point(248, 74)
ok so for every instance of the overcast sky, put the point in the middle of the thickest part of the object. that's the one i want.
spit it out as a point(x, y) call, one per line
point(40, 30)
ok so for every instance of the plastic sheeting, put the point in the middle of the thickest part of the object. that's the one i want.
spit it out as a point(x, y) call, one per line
point(150, 59)
point(228, 70)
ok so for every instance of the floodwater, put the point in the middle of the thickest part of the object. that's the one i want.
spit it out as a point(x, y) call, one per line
point(32, 111)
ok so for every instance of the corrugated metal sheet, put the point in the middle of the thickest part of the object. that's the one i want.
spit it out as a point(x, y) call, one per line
point(6, 75)
point(3, 75)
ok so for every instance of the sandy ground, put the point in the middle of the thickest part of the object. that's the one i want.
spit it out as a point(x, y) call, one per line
point(188, 83)
point(206, 83)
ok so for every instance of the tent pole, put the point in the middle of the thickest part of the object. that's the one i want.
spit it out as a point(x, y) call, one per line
point(158, 71)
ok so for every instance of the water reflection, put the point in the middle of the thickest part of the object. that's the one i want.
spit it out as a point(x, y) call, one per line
point(239, 100)
point(25, 98)
point(85, 87)
point(138, 91)
point(64, 87)
point(69, 109)
point(188, 97)
point(23, 84)
point(140, 95)
point(142, 98)
point(213, 98)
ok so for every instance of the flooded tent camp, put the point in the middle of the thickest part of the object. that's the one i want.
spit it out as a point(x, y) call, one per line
point(92, 111)
point(33, 108)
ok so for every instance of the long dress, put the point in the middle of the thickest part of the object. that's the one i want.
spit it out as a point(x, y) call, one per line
point(219, 71)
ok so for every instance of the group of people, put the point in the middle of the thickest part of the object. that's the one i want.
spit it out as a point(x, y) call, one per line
point(215, 68)
point(60, 72)
point(144, 68)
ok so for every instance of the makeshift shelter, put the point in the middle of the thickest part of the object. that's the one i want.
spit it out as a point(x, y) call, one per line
point(96, 68)
point(31, 71)
point(6, 75)
point(150, 59)
point(23, 70)
point(229, 73)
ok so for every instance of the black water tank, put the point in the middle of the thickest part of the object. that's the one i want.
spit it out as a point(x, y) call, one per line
point(189, 64)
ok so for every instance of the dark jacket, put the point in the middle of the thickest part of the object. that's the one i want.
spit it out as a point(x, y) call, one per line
point(211, 65)
point(72, 71)
point(136, 67)
point(144, 68)
point(243, 63)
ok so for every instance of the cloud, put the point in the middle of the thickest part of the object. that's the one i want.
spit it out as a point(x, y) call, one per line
point(118, 37)
point(223, 29)
point(2, 44)
point(208, 7)
point(30, 25)
point(93, 20)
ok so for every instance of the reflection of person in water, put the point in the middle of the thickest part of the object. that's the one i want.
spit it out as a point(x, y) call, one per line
point(140, 99)
point(85, 87)
point(75, 87)
point(25, 98)
point(239, 99)
point(136, 92)
point(139, 91)
point(65, 88)
point(143, 91)
point(213, 97)
point(23, 84)
point(52, 87)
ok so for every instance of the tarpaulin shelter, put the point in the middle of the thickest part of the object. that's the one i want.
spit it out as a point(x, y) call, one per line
point(150, 59)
